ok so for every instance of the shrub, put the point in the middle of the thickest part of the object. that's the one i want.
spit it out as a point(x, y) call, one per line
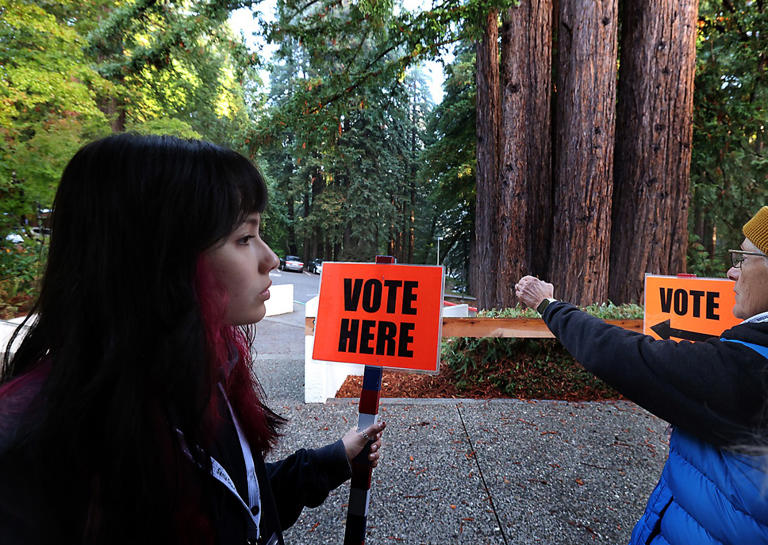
point(528, 368)
point(21, 266)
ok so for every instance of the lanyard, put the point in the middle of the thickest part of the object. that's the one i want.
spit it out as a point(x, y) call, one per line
point(220, 474)
point(250, 467)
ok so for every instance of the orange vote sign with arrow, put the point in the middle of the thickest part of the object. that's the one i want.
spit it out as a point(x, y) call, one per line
point(691, 309)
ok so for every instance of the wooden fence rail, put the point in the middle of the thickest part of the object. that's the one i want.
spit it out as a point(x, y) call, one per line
point(533, 328)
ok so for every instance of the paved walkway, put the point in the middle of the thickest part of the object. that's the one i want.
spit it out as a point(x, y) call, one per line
point(472, 471)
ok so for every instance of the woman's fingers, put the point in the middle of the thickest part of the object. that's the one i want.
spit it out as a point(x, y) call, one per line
point(355, 441)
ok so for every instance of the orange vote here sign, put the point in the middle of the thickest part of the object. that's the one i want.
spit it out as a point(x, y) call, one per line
point(374, 314)
point(692, 309)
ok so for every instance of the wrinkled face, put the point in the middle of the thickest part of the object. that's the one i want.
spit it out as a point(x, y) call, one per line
point(751, 283)
point(241, 264)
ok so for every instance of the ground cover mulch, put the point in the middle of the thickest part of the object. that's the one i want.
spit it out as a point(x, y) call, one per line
point(521, 378)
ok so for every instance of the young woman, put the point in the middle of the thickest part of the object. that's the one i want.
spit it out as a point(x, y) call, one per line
point(129, 412)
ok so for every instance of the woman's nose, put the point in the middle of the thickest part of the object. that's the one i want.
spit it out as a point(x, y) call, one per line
point(273, 261)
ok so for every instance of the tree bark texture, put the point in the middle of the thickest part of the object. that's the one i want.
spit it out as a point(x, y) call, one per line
point(289, 203)
point(585, 112)
point(653, 144)
point(488, 125)
point(525, 176)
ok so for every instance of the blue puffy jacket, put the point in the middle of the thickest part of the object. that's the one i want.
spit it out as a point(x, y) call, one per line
point(706, 496)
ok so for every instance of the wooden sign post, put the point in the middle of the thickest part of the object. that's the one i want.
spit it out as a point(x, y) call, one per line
point(380, 316)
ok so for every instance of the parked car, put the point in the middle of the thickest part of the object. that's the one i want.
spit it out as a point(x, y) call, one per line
point(14, 238)
point(293, 263)
point(315, 266)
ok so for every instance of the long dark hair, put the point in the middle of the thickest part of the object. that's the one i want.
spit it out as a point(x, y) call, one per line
point(128, 321)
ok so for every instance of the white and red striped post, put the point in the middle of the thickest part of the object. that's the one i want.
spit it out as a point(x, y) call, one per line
point(360, 490)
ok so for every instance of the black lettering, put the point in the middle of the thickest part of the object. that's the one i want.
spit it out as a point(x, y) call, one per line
point(392, 286)
point(681, 302)
point(409, 297)
point(712, 304)
point(366, 336)
point(666, 299)
point(385, 338)
point(697, 295)
point(372, 296)
point(405, 339)
point(352, 293)
point(348, 335)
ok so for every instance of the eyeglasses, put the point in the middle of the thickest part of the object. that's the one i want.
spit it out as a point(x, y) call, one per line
point(737, 257)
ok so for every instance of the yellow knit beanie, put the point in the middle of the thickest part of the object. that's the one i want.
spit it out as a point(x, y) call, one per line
point(756, 229)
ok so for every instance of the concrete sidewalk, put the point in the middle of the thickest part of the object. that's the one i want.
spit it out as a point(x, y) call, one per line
point(497, 472)
point(471, 471)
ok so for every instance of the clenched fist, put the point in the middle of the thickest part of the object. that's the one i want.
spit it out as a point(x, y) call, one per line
point(531, 291)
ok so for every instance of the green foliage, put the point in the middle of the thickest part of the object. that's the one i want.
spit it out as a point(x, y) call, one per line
point(21, 266)
point(604, 311)
point(165, 125)
point(448, 165)
point(176, 60)
point(530, 368)
point(729, 166)
point(395, 39)
point(48, 106)
point(72, 71)
point(344, 172)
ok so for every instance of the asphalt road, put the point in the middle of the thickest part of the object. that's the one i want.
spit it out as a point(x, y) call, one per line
point(305, 287)
point(279, 342)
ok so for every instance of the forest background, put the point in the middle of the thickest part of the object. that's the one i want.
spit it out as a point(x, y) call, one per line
point(588, 143)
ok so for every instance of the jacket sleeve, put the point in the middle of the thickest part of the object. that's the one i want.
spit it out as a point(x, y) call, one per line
point(305, 478)
point(713, 389)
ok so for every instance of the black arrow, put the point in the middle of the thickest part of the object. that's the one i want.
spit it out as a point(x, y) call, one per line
point(663, 330)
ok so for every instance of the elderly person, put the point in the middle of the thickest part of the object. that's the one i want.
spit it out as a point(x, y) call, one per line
point(714, 486)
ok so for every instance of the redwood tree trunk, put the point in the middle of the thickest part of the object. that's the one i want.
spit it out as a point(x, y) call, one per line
point(488, 122)
point(653, 143)
point(318, 186)
point(586, 96)
point(525, 199)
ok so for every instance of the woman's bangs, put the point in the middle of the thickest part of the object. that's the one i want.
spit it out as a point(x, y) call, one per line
point(251, 189)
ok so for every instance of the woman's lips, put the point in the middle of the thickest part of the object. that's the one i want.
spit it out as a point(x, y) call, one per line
point(265, 294)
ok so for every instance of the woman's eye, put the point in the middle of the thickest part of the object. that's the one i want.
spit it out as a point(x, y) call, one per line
point(244, 240)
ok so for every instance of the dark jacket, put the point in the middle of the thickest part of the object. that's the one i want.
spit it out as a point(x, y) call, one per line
point(303, 479)
point(714, 395)
point(714, 390)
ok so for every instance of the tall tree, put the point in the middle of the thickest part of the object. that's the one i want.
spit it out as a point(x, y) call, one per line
point(729, 167)
point(525, 173)
point(177, 59)
point(653, 144)
point(48, 105)
point(586, 97)
point(488, 139)
point(448, 167)
point(351, 185)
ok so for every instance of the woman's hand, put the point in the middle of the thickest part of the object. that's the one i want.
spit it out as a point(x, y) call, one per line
point(355, 441)
point(531, 291)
